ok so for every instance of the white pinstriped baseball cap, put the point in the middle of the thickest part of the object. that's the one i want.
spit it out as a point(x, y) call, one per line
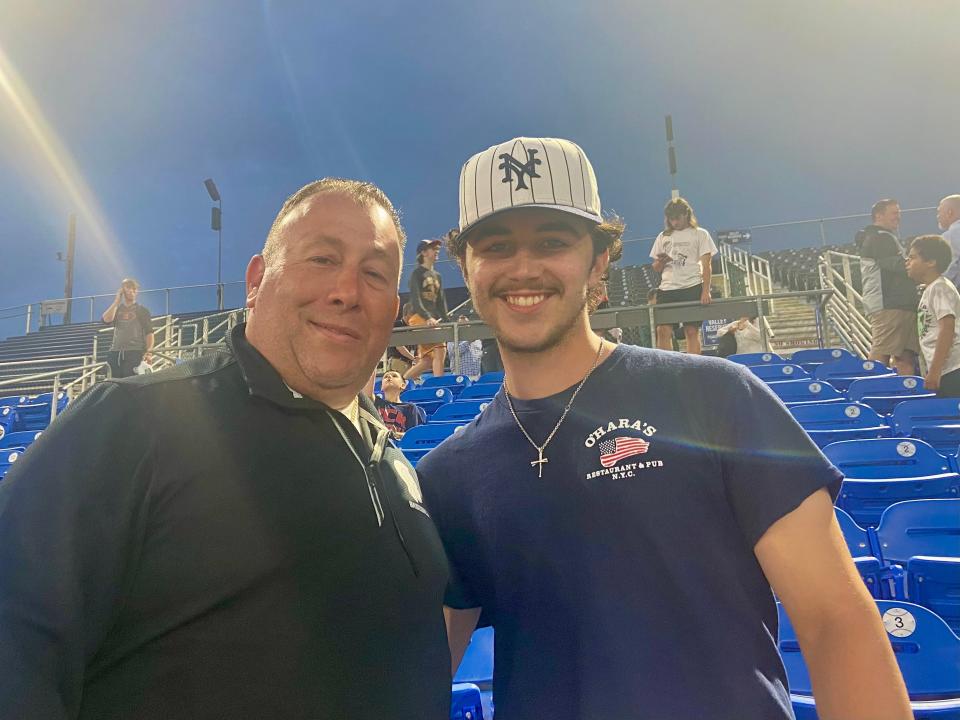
point(528, 172)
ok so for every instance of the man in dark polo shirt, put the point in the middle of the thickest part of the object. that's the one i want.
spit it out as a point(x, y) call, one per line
point(132, 331)
point(235, 537)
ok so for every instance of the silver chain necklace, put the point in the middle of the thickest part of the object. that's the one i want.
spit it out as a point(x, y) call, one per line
point(539, 462)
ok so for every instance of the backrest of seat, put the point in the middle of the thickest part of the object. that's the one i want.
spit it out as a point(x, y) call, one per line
point(924, 646)
point(447, 381)
point(858, 542)
point(426, 436)
point(19, 439)
point(835, 416)
point(886, 458)
point(820, 355)
point(494, 376)
point(800, 390)
point(430, 394)
point(920, 527)
point(779, 371)
point(480, 391)
point(885, 385)
point(761, 358)
point(460, 410)
point(934, 583)
point(925, 411)
point(477, 664)
point(849, 367)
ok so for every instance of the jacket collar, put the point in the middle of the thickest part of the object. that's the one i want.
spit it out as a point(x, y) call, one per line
point(265, 382)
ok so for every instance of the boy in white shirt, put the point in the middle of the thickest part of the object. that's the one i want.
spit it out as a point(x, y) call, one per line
point(929, 257)
point(682, 255)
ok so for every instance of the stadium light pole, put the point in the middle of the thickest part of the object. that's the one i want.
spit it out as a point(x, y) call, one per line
point(671, 158)
point(216, 214)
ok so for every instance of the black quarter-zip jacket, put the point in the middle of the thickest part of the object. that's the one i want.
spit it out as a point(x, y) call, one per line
point(202, 543)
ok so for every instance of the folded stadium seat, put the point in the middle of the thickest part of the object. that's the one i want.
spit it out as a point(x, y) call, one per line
point(840, 373)
point(878, 473)
point(466, 703)
point(421, 439)
point(20, 439)
point(813, 358)
point(884, 582)
point(459, 411)
point(13, 400)
point(454, 383)
point(9, 418)
point(923, 644)
point(480, 391)
point(7, 458)
point(476, 667)
point(826, 423)
point(773, 372)
point(764, 358)
point(934, 583)
point(428, 398)
point(858, 541)
point(934, 420)
point(35, 412)
point(884, 393)
point(871, 571)
point(494, 376)
point(800, 392)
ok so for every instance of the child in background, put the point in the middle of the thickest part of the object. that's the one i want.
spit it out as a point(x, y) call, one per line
point(929, 257)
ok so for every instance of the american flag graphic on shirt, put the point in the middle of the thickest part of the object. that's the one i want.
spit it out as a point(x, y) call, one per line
point(613, 451)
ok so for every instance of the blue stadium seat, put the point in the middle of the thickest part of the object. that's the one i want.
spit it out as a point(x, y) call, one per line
point(420, 440)
point(923, 644)
point(9, 418)
point(764, 358)
point(428, 398)
point(454, 383)
point(459, 411)
point(480, 391)
point(805, 391)
point(22, 439)
point(811, 359)
point(871, 571)
point(878, 473)
point(466, 702)
point(884, 393)
point(858, 542)
point(7, 458)
point(477, 664)
point(840, 373)
point(831, 422)
point(494, 376)
point(934, 582)
point(779, 371)
point(919, 527)
point(12, 400)
point(934, 420)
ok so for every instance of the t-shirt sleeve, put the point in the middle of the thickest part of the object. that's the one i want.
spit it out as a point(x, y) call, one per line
point(944, 301)
point(143, 315)
point(706, 243)
point(657, 246)
point(770, 465)
point(447, 508)
point(72, 515)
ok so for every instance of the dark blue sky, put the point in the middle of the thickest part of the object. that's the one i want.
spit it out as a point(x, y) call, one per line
point(782, 111)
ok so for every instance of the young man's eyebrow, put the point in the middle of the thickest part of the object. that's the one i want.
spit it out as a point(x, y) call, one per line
point(557, 226)
point(486, 230)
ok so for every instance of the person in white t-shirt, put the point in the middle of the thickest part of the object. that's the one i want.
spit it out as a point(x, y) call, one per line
point(682, 255)
point(747, 333)
point(929, 257)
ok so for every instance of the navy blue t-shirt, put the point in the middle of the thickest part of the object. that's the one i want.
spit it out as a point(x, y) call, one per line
point(623, 583)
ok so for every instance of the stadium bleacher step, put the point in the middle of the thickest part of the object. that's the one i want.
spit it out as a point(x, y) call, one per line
point(794, 325)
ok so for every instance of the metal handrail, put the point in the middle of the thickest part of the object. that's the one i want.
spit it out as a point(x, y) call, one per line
point(844, 309)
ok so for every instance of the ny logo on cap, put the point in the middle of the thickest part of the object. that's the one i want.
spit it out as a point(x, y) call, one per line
point(511, 164)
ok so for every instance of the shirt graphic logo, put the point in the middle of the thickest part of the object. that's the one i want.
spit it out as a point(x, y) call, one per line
point(510, 165)
point(613, 451)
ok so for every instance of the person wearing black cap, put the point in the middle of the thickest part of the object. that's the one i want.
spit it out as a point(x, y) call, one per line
point(429, 308)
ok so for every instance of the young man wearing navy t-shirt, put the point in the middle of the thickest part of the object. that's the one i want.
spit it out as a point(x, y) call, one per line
point(620, 514)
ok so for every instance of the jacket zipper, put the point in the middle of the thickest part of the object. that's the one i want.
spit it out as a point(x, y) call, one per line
point(371, 482)
point(374, 469)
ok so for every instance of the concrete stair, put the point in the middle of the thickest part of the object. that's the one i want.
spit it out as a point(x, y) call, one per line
point(794, 325)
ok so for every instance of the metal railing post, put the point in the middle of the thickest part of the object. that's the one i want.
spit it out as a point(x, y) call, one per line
point(456, 348)
point(823, 234)
point(91, 308)
point(167, 300)
point(53, 397)
point(29, 319)
point(762, 323)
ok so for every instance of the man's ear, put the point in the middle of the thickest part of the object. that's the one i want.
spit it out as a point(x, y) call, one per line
point(255, 270)
point(600, 265)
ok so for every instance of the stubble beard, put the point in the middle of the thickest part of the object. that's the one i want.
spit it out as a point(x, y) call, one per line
point(554, 338)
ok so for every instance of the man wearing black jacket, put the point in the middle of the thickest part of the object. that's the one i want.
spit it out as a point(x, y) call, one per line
point(889, 296)
point(235, 537)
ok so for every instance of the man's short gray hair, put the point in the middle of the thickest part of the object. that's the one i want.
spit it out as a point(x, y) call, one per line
point(364, 194)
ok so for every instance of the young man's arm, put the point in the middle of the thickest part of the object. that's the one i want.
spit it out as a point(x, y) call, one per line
point(706, 271)
point(851, 663)
point(460, 627)
point(946, 328)
point(111, 312)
